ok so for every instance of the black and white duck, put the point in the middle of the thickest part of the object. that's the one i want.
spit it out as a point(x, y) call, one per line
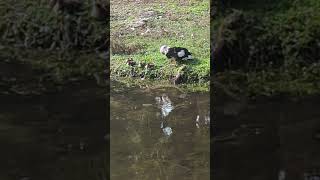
point(177, 53)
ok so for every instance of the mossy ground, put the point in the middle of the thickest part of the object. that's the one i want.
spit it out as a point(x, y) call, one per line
point(173, 23)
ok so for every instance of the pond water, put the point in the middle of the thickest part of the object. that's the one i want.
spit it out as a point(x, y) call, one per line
point(54, 136)
point(159, 134)
point(155, 134)
point(266, 139)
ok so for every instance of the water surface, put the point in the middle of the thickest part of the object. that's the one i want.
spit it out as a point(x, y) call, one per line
point(266, 139)
point(55, 136)
point(159, 134)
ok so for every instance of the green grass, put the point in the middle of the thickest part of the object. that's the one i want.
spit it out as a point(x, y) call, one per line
point(173, 24)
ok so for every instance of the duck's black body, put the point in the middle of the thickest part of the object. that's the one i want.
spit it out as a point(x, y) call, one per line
point(173, 53)
point(177, 53)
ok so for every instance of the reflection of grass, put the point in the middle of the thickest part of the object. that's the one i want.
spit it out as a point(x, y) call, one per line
point(173, 24)
point(152, 85)
point(72, 66)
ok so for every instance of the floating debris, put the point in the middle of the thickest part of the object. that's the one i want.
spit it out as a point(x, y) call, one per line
point(197, 121)
point(203, 121)
point(207, 119)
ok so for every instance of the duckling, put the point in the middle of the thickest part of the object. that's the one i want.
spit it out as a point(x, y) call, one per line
point(99, 11)
point(133, 73)
point(131, 62)
point(178, 78)
point(149, 66)
point(142, 64)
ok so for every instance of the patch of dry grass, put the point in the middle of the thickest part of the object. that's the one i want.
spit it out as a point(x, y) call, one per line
point(119, 47)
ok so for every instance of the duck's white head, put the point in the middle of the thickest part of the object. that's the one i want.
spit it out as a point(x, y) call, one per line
point(164, 49)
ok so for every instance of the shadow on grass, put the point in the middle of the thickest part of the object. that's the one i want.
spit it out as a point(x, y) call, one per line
point(194, 61)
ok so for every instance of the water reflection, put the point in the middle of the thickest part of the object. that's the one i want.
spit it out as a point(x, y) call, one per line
point(54, 136)
point(166, 129)
point(203, 120)
point(165, 104)
point(153, 134)
point(266, 139)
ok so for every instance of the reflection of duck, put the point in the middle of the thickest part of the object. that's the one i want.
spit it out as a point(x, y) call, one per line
point(142, 64)
point(165, 128)
point(131, 62)
point(149, 66)
point(165, 104)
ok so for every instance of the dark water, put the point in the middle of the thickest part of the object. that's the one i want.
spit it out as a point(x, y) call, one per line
point(54, 136)
point(155, 134)
point(159, 134)
point(267, 139)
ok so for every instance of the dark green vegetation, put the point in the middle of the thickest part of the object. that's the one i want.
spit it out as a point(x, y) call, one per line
point(138, 29)
point(267, 48)
point(54, 47)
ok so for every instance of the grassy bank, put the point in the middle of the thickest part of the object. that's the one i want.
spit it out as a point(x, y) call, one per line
point(57, 47)
point(138, 29)
point(269, 48)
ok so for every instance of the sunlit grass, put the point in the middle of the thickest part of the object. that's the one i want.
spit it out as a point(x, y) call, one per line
point(174, 24)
